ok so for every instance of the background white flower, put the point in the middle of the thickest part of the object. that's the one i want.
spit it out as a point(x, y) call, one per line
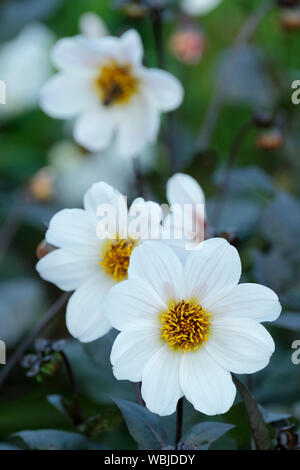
point(103, 83)
point(24, 68)
point(184, 328)
point(76, 170)
point(92, 26)
point(87, 264)
point(199, 7)
point(184, 191)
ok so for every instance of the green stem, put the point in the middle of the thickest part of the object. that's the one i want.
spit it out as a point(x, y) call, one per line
point(224, 186)
point(47, 318)
point(179, 419)
point(77, 415)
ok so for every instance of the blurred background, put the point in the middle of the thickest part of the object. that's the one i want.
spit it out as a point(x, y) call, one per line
point(237, 102)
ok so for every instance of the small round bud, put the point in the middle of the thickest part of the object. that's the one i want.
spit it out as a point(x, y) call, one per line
point(187, 45)
point(133, 8)
point(290, 19)
point(41, 186)
point(270, 139)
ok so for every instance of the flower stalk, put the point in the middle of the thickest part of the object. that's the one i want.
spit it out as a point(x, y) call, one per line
point(179, 419)
point(47, 318)
point(77, 414)
point(224, 185)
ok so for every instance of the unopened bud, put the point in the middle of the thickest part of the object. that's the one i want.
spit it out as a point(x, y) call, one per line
point(41, 186)
point(290, 19)
point(43, 249)
point(133, 8)
point(270, 140)
point(187, 45)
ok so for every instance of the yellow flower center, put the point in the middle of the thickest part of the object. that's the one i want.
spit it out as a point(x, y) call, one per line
point(115, 257)
point(116, 84)
point(185, 326)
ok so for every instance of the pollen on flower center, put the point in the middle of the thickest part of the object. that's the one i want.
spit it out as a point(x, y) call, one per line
point(185, 326)
point(115, 257)
point(116, 84)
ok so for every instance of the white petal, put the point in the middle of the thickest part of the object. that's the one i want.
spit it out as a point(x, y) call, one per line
point(94, 129)
point(92, 26)
point(131, 351)
point(131, 302)
point(102, 195)
point(64, 95)
point(73, 230)
point(85, 317)
point(77, 53)
point(183, 189)
point(206, 384)
point(214, 266)
point(157, 264)
point(165, 89)
point(199, 7)
point(144, 220)
point(67, 270)
point(248, 300)
point(240, 345)
point(138, 125)
point(160, 382)
point(110, 48)
point(132, 46)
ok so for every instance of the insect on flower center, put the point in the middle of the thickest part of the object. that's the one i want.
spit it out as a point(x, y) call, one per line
point(115, 257)
point(185, 326)
point(116, 84)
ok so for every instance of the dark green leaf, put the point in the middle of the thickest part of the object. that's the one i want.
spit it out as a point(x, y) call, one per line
point(259, 430)
point(289, 320)
point(271, 416)
point(202, 435)
point(243, 77)
point(17, 13)
point(59, 404)
point(7, 446)
point(144, 426)
point(272, 269)
point(281, 222)
point(52, 439)
point(248, 180)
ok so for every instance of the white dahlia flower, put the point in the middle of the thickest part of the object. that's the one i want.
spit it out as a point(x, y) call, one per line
point(102, 82)
point(199, 7)
point(24, 68)
point(88, 263)
point(186, 230)
point(186, 327)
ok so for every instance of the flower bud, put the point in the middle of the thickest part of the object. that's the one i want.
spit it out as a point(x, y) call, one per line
point(187, 45)
point(290, 19)
point(271, 139)
point(41, 186)
point(133, 8)
point(43, 249)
